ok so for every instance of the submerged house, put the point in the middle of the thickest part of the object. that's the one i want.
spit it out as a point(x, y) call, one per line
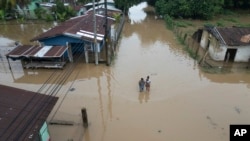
point(23, 114)
point(78, 34)
point(226, 44)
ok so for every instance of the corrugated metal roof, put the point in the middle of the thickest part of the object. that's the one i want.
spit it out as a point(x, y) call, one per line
point(231, 36)
point(22, 113)
point(74, 25)
point(37, 51)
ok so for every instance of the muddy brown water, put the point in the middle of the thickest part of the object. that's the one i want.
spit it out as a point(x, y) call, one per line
point(184, 103)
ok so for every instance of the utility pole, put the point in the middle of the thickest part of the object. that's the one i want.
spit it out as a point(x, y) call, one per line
point(95, 46)
point(106, 34)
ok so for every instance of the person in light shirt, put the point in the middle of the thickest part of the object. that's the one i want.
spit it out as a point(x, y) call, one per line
point(148, 82)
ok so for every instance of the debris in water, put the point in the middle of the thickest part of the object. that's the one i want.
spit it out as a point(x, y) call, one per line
point(237, 110)
point(71, 89)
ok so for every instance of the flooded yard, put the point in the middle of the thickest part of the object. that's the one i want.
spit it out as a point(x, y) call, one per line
point(184, 102)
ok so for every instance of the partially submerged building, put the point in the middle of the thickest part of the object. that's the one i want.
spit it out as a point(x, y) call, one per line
point(78, 34)
point(35, 56)
point(23, 114)
point(228, 44)
point(85, 34)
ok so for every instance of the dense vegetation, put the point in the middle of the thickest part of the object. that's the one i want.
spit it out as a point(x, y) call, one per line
point(8, 8)
point(197, 9)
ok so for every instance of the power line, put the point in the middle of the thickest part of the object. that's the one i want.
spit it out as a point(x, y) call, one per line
point(59, 81)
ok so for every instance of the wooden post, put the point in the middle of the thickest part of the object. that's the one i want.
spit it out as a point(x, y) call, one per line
point(8, 62)
point(86, 54)
point(70, 52)
point(84, 117)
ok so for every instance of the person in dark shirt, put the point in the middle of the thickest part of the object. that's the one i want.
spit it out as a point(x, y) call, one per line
point(141, 84)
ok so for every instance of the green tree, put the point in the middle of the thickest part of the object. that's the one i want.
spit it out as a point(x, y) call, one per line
point(202, 9)
point(63, 12)
point(237, 4)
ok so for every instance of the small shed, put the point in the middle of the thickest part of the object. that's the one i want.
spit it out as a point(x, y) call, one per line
point(227, 44)
point(23, 114)
point(35, 56)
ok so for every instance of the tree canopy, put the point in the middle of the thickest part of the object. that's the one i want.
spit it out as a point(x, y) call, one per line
point(204, 9)
point(198, 9)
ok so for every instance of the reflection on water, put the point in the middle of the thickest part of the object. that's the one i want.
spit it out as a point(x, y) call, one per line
point(12, 31)
point(183, 100)
point(136, 13)
point(143, 97)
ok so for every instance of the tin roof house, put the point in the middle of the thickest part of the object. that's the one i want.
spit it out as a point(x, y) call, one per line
point(78, 34)
point(23, 114)
point(59, 44)
point(229, 44)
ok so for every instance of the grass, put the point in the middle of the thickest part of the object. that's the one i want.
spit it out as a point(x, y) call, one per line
point(215, 70)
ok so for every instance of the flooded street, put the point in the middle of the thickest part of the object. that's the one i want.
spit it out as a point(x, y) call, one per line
point(184, 103)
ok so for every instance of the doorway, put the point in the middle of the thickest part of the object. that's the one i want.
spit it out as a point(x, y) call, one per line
point(230, 55)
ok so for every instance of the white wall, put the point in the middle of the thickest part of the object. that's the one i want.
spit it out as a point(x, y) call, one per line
point(217, 53)
point(204, 39)
point(243, 54)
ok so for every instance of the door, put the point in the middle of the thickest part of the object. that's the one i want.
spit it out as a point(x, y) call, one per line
point(230, 55)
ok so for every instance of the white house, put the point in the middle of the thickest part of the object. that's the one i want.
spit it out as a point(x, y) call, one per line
point(227, 44)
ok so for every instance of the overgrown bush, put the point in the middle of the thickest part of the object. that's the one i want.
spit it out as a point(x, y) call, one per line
point(169, 22)
point(40, 13)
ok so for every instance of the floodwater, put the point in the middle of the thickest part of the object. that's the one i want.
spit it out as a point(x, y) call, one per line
point(184, 103)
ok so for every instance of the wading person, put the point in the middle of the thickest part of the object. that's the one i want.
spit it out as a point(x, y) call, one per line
point(148, 84)
point(141, 84)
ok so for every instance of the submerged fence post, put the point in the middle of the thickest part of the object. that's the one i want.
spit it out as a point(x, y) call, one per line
point(84, 117)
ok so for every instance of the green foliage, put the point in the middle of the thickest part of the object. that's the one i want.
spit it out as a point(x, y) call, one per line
point(40, 13)
point(1, 14)
point(49, 18)
point(61, 16)
point(208, 24)
point(21, 19)
point(63, 12)
point(169, 22)
point(242, 4)
point(191, 53)
point(242, 25)
point(181, 24)
point(220, 23)
point(195, 9)
point(117, 17)
point(233, 20)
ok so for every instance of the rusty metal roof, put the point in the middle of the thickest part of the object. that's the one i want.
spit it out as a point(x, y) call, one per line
point(74, 27)
point(231, 36)
point(37, 51)
point(22, 113)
